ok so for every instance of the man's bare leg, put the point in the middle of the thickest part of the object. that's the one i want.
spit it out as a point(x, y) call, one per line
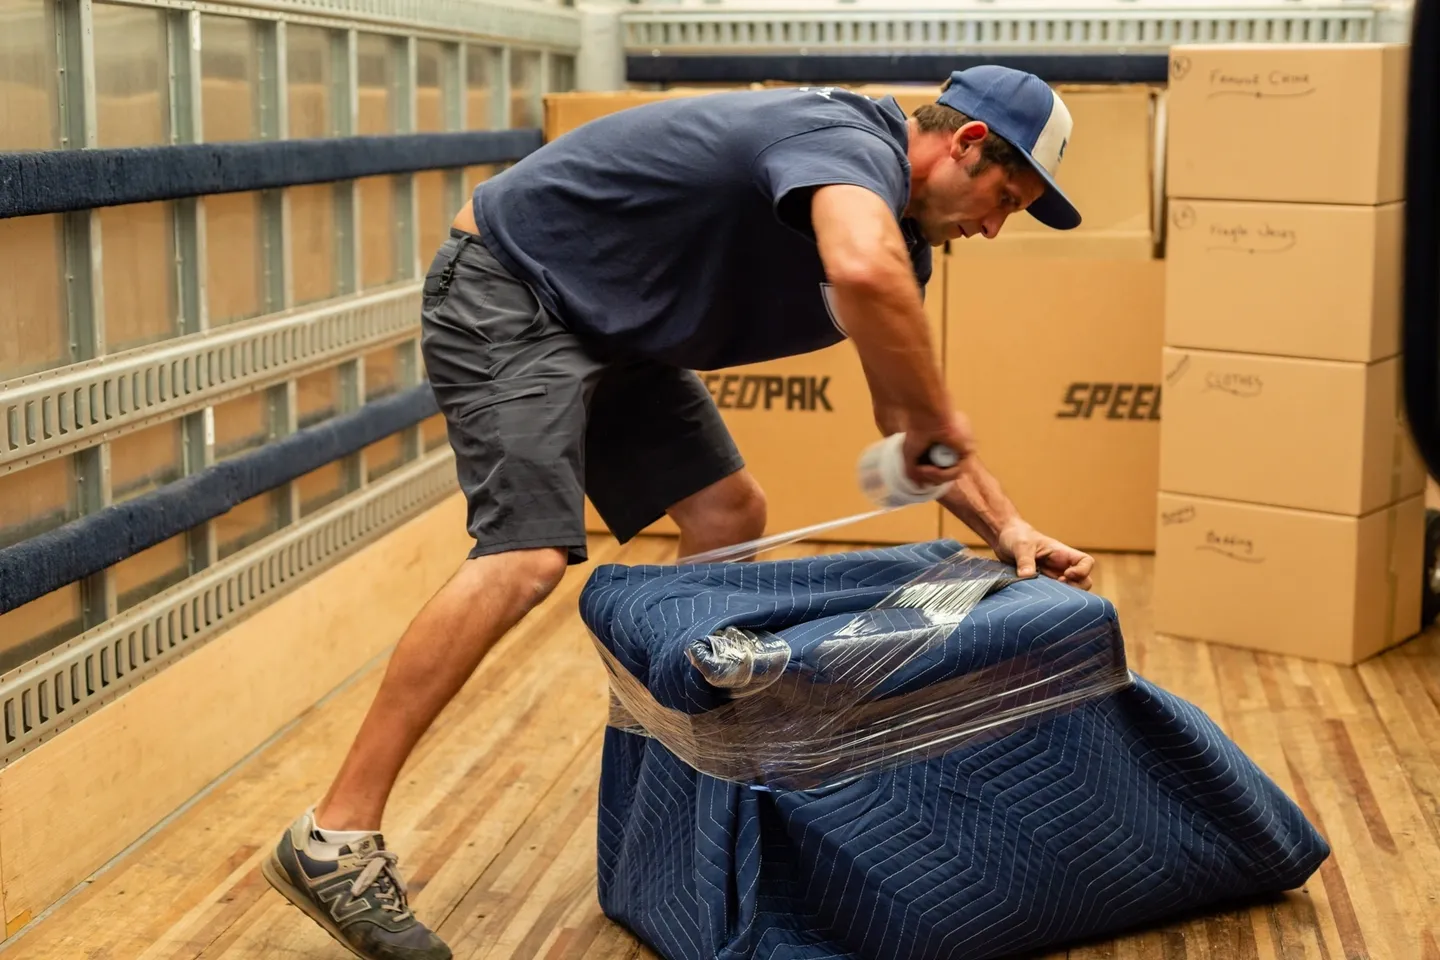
point(725, 513)
point(332, 865)
point(453, 632)
point(437, 654)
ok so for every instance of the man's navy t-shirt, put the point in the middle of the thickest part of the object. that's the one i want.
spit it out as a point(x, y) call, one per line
point(679, 230)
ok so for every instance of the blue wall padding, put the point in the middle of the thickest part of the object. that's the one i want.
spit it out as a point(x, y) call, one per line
point(55, 181)
point(931, 68)
point(34, 567)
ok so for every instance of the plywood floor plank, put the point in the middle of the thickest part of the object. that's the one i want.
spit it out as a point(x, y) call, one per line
point(495, 815)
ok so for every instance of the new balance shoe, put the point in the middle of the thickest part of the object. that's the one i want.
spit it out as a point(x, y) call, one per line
point(357, 896)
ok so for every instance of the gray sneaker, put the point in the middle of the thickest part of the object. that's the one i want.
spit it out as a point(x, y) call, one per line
point(359, 899)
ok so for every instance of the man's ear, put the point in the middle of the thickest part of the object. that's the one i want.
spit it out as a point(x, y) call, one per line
point(971, 136)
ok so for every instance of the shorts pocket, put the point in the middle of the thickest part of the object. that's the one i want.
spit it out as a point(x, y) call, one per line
point(492, 394)
point(460, 401)
point(519, 454)
point(435, 291)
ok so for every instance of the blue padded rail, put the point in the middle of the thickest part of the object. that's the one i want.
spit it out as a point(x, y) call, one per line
point(56, 181)
point(896, 68)
point(44, 563)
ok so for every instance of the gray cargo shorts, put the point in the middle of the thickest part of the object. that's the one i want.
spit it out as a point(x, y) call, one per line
point(538, 420)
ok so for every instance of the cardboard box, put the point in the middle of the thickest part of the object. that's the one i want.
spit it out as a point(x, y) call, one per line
point(1069, 373)
point(566, 111)
point(910, 96)
point(1114, 333)
point(821, 395)
point(1110, 166)
point(1247, 122)
point(1298, 280)
point(1309, 434)
point(801, 424)
point(1110, 171)
point(1057, 364)
point(1311, 585)
point(1025, 245)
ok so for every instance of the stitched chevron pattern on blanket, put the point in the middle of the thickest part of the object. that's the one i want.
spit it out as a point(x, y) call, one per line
point(1118, 809)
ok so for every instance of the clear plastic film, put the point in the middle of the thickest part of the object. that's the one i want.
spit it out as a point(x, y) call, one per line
point(865, 698)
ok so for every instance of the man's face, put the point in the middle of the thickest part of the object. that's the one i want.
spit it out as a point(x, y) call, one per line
point(954, 203)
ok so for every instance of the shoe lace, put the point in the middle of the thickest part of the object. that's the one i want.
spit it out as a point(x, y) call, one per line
point(381, 871)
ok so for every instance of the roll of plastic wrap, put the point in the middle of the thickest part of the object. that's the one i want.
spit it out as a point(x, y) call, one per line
point(883, 479)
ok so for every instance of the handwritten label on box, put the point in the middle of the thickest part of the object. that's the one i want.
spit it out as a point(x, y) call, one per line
point(1232, 546)
point(1279, 84)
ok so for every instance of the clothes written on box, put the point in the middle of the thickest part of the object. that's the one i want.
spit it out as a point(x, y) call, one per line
point(1251, 122)
point(1291, 582)
point(1296, 280)
point(1062, 386)
point(1309, 434)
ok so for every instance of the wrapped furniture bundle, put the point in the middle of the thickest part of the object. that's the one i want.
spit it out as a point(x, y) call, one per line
point(906, 754)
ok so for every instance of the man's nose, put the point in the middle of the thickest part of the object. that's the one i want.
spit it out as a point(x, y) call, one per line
point(991, 225)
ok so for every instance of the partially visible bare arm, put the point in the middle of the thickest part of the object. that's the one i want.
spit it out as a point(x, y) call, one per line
point(879, 304)
point(978, 501)
point(976, 498)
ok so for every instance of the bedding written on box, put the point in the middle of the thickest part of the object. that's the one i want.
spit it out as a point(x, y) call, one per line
point(1317, 585)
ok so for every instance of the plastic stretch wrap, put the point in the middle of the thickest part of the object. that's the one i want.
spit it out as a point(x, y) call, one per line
point(867, 696)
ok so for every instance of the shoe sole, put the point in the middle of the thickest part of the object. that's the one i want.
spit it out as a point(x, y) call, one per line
point(275, 874)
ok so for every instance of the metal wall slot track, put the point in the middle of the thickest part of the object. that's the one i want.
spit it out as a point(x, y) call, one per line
point(52, 414)
point(809, 27)
point(529, 22)
point(70, 682)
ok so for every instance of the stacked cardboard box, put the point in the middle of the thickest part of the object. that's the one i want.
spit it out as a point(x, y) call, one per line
point(800, 422)
point(1291, 513)
point(1051, 344)
point(1053, 338)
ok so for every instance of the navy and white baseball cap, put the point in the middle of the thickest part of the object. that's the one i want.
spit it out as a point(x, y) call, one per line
point(1022, 110)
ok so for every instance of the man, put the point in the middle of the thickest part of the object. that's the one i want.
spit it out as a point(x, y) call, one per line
point(562, 321)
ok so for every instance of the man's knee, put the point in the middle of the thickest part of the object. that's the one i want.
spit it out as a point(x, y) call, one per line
point(539, 572)
point(525, 577)
point(732, 510)
point(748, 511)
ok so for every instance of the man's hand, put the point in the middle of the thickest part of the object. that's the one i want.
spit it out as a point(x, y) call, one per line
point(1034, 553)
point(954, 433)
point(977, 500)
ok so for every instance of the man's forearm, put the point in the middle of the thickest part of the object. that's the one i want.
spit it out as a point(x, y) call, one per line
point(978, 501)
point(889, 415)
point(887, 324)
point(878, 303)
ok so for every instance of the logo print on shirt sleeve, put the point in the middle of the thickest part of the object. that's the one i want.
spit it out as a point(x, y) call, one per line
point(827, 293)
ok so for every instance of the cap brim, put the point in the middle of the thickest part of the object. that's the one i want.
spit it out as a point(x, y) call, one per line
point(1052, 208)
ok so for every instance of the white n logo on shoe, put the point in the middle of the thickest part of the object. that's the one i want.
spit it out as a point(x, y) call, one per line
point(339, 902)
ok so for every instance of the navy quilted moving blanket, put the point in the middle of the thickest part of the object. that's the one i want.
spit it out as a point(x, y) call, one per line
point(1121, 810)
